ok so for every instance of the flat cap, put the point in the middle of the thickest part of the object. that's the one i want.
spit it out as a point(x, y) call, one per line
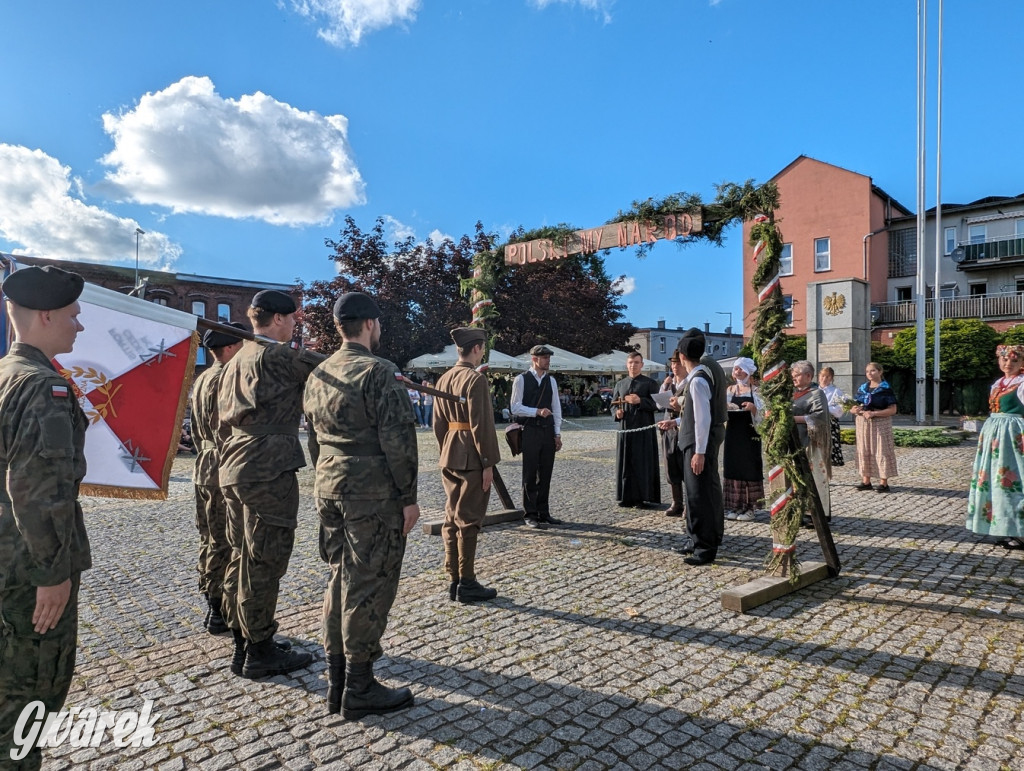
point(540, 350)
point(215, 338)
point(43, 289)
point(353, 306)
point(692, 344)
point(273, 301)
point(467, 337)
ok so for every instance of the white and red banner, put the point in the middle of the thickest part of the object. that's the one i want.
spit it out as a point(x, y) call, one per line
point(131, 369)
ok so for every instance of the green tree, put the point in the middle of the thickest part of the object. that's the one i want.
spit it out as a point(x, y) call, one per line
point(967, 349)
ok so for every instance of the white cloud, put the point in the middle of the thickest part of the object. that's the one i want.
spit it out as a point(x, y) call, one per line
point(191, 150)
point(398, 230)
point(439, 238)
point(626, 283)
point(42, 211)
point(599, 6)
point(347, 20)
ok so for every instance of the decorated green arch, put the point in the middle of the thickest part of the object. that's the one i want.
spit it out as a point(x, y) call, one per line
point(684, 218)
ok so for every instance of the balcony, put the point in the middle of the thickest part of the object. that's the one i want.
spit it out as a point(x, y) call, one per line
point(992, 251)
point(987, 307)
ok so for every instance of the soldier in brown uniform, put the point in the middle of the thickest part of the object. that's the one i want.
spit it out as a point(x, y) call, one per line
point(207, 430)
point(469, 453)
point(363, 441)
point(43, 544)
point(260, 402)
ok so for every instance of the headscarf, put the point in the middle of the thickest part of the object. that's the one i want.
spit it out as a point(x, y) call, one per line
point(746, 364)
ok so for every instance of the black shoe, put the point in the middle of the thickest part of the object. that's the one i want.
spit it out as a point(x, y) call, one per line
point(452, 588)
point(806, 521)
point(363, 695)
point(474, 591)
point(215, 623)
point(686, 549)
point(265, 658)
point(536, 524)
point(547, 519)
point(335, 682)
point(675, 510)
point(882, 489)
point(238, 657)
point(692, 560)
point(863, 486)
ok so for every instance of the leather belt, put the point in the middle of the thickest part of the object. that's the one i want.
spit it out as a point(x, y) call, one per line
point(458, 426)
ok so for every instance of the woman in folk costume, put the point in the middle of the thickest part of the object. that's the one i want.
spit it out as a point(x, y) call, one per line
point(810, 413)
point(834, 396)
point(743, 469)
point(876, 450)
point(995, 502)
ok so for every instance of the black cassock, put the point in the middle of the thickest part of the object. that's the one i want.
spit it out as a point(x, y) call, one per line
point(636, 458)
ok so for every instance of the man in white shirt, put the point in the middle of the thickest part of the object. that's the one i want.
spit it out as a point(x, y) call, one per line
point(535, 405)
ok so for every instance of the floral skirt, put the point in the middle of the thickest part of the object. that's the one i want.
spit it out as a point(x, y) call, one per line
point(837, 444)
point(995, 502)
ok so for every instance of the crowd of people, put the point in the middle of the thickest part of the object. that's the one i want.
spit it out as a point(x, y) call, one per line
point(362, 421)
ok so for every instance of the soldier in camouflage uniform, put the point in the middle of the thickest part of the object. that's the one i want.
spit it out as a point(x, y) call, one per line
point(468, 454)
point(207, 430)
point(43, 544)
point(363, 440)
point(260, 402)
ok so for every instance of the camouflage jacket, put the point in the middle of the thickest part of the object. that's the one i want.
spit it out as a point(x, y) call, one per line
point(207, 430)
point(476, 445)
point(259, 399)
point(42, 438)
point(362, 429)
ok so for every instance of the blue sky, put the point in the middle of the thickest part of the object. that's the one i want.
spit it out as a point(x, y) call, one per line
point(239, 134)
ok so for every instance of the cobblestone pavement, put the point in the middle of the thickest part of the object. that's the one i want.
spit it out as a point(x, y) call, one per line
point(604, 650)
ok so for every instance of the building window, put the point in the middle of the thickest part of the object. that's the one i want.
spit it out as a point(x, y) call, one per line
point(199, 308)
point(903, 294)
point(1020, 283)
point(786, 260)
point(822, 258)
point(976, 289)
point(158, 300)
point(948, 291)
point(787, 306)
point(661, 345)
point(950, 240)
point(976, 234)
point(223, 312)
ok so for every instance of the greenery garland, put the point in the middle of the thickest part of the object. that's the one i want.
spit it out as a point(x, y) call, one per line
point(733, 203)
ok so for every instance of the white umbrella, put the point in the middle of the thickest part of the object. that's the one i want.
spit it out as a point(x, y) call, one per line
point(567, 362)
point(438, 362)
point(616, 362)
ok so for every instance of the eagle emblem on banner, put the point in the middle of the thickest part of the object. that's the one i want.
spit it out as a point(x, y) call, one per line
point(834, 303)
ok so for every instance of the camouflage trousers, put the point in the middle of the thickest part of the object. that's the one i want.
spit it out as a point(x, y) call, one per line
point(362, 542)
point(214, 549)
point(261, 519)
point(33, 666)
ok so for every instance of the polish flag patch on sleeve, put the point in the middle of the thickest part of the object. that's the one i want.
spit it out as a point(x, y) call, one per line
point(59, 391)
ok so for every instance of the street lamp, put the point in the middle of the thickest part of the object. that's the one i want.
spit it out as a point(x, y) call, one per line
point(729, 314)
point(138, 232)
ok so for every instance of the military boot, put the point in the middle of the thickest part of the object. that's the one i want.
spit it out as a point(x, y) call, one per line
point(469, 589)
point(676, 509)
point(238, 658)
point(335, 682)
point(451, 567)
point(215, 623)
point(365, 696)
point(266, 658)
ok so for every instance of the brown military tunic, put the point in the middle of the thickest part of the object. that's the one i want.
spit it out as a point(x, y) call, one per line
point(42, 531)
point(468, 444)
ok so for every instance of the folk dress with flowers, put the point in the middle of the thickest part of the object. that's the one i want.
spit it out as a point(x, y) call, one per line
point(995, 502)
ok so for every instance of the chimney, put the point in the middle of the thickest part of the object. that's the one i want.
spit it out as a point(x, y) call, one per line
point(661, 323)
point(707, 327)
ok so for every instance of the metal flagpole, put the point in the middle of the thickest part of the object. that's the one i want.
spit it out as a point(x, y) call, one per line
point(922, 26)
point(939, 241)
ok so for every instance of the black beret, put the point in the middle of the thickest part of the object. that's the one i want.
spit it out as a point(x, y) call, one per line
point(691, 344)
point(273, 301)
point(467, 337)
point(541, 350)
point(215, 338)
point(353, 306)
point(43, 289)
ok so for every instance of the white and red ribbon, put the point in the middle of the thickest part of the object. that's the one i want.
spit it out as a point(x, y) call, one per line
point(774, 372)
point(781, 501)
point(767, 289)
point(758, 248)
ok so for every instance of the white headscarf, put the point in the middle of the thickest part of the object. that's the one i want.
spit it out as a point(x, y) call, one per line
point(747, 365)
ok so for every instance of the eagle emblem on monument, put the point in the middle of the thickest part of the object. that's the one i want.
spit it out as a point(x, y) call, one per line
point(834, 303)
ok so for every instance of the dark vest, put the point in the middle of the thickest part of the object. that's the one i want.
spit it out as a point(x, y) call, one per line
point(719, 395)
point(532, 396)
point(687, 429)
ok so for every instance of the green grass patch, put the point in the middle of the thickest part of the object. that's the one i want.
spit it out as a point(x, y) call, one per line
point(913, 437)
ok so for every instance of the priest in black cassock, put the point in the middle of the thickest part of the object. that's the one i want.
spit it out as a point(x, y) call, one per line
point(636, 458)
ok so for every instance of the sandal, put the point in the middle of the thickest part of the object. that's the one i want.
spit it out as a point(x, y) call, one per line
point(863, 486)
point(1012, 544)
point(882, 489)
